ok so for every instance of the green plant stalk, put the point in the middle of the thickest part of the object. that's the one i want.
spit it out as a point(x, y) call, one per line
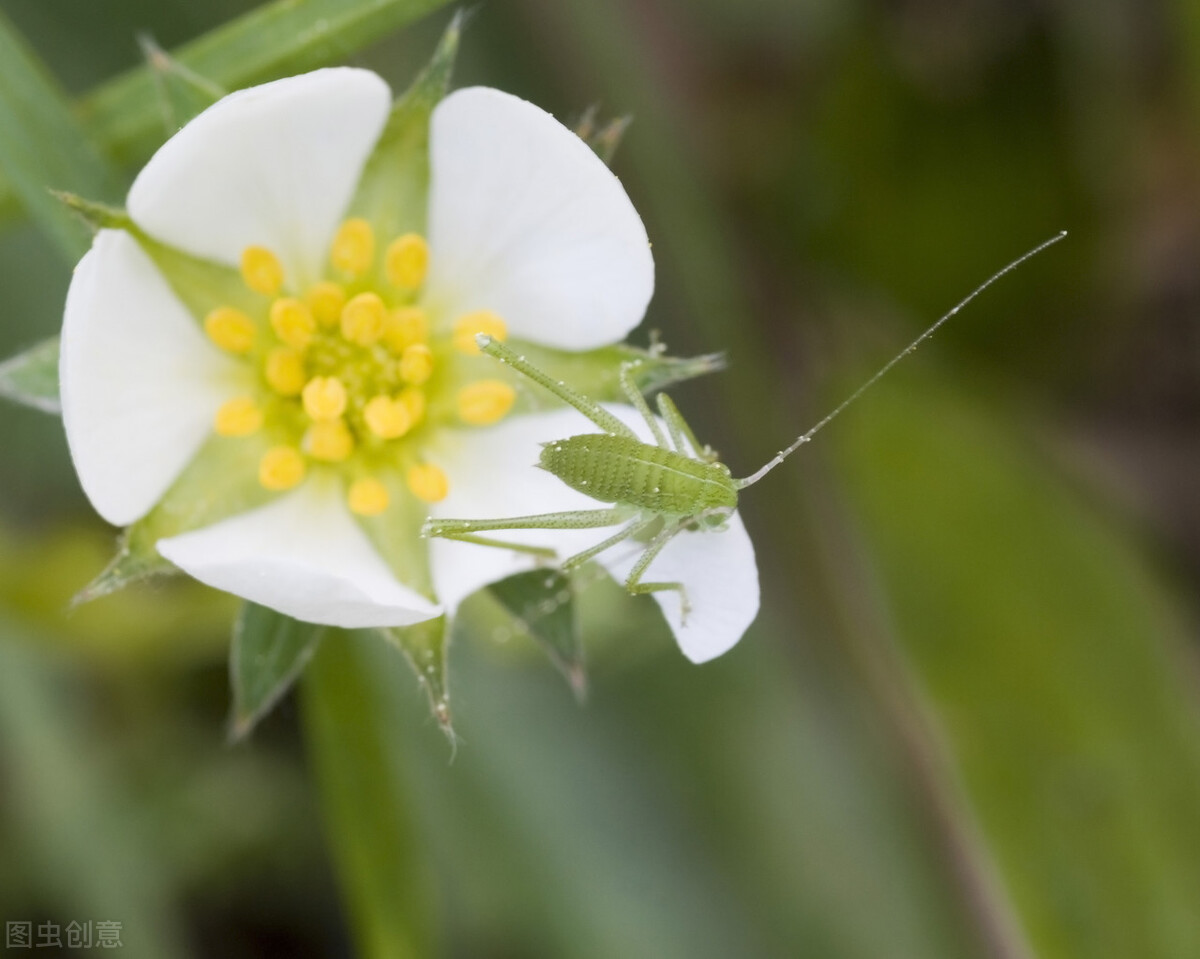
point(386, 883)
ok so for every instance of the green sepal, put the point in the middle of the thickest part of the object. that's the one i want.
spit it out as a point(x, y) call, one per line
point(542, 604)
point(268, 653)
point(396, 533)
point(424, 646)
point(201, 285)
point(181, 92)
point(31, 378)
point(392, 193)
point(136, 561)
point(220, 481)
point(602, 138)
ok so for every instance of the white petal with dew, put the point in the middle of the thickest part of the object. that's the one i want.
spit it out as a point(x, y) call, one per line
point(273, 165)
point(140, 383)
point(525, 220)
point(719, 570)
point(304, 556)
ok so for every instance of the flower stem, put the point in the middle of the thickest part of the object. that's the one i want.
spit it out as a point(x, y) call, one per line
point(386, 880)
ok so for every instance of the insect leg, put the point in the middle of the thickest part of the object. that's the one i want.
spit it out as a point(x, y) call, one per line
point(633, 582)
point(543, 552)
point(574, 519)
point(639, 402)
point(593, 411)
point(680, 430)
point(632, 529)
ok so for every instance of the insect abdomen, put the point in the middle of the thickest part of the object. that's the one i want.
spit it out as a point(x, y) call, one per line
point(618, 469)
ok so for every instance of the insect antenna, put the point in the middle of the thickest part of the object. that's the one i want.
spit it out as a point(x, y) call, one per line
point(879, 374)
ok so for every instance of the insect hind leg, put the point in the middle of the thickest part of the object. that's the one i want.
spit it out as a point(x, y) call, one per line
point(681, 433)
point(629, 388)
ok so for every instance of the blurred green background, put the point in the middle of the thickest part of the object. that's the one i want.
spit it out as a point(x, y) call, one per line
point(965, 722)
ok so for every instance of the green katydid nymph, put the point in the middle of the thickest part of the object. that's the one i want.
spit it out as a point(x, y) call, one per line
point(654, 491)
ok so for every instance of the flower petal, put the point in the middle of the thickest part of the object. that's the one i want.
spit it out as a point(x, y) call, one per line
point(721, 576)
point(304, 556)
point(525, 220)
point(492, 475)
point(273, 165)
point(140, 383)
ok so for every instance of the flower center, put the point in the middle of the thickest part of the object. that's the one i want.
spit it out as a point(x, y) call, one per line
point(350, 373)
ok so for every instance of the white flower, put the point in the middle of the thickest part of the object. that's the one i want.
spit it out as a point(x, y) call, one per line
point(345, 364)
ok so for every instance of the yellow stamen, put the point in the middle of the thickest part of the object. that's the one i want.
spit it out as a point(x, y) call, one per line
point(293, 322)
point(404, 327)
point(363, 318)
point(261, 270)
point(387, 418)
point(238, 417)
point(367, 497)
point(328, 440)
point(416, 365)
point(407, 261)
point(485, 402)
point(326, 301)
point(428, 482)
point(413, 400)
point(481, 321)
point(324, 398)
point(281, 467)
point(284, 371)
point(353, 248)
point(230, 329)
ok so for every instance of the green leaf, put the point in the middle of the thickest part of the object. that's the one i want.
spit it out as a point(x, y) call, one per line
point(124, 116)
point(268, 653)
point(31, 378)
point(393, 191)
point(277, 39)
point(1054, 663)
point(42, 145)
point(182, 93)
point(542, 605)
point(387, 879)
point(424, 646)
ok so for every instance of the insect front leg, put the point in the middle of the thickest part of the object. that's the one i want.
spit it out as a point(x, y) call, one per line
point(639, 402)
point(633, 582)
point(593, 411)
point(681, 431)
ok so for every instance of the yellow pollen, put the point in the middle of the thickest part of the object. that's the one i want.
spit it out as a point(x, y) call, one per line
point(230, 329)
point(261, 270)
point(353, 248)
point(329, 440)
point(324, 398)
point(406, 261)
point(428, 482)
point(281, 467)
point(284, 371)
point(481, 321)
point(387, 418)
point(485, 402)
point(404, 327)
point(238, 417)
point(326, 301)
point(293, 322)
point(363, 318)
point(367, 497)
point(413, 400)
point(416, 365)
